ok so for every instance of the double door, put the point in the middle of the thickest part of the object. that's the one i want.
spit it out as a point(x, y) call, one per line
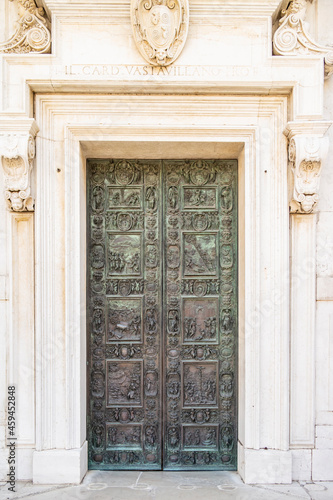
point(162, 314)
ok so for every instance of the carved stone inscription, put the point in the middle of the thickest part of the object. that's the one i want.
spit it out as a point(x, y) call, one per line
point(162, 370)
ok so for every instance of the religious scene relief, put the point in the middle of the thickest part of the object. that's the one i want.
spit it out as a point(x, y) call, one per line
point(124, 320)
point(124, 436)
point(125, 198)
point(200, 320)
point(200, 384)
point(124, 254)
point(199, 198)
point(200, 437)
point(124, 382)
point(200, 254)
point(146, 277)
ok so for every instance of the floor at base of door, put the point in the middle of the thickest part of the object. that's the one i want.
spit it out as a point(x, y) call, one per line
point(99, 485)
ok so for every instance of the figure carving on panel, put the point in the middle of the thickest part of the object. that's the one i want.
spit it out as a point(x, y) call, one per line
point(226, 388)
point(151, 198)
point(199, 384)
point(226, 199)
point(173, 197)
point(150, 436)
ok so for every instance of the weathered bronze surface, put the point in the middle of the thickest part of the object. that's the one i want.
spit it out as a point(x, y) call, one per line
point(162, 314)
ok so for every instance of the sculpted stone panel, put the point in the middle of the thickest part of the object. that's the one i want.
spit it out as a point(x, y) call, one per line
point(17, 152)
point(32, 33)
point(293, 37)
point(306, 155)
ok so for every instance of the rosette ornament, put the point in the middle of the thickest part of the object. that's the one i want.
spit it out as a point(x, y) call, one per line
point(292, 37)
point(32, 34)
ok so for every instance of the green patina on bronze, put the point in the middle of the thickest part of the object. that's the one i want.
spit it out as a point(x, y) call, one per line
point(162, 314)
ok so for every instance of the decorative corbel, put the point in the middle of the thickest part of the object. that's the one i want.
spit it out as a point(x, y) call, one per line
point(17, 152)
point(32, 33)
point(292, 37)
point(307, 152)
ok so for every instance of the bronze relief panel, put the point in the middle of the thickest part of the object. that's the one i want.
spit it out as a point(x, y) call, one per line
point(124, 314)
point(162, 314)
point(200, 302)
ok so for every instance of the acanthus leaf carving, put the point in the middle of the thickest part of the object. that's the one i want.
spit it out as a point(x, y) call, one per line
point(160, 29)
point(292, 36)
point(32, 33)
point(17, 152)
point(306, 154)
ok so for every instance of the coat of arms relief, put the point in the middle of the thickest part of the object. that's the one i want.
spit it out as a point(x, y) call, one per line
point(160, 29)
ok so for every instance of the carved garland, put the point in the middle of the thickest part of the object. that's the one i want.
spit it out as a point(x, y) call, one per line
point(32, 33)
point(292, 37)
point(17, 154)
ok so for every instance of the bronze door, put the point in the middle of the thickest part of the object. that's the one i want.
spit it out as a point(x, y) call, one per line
point(162, 314)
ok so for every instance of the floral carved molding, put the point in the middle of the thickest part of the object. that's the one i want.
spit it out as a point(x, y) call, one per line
point(32, 33)
point(160, 29)
point(292, 37)
point(306, 152)
point(17, 152)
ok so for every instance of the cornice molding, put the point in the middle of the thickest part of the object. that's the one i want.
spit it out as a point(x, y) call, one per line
point(197, 7)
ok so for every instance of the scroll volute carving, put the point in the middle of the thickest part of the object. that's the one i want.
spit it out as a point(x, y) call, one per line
point(306, 154)
point(17, 153)
point(32, 32)
point(292, 36)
